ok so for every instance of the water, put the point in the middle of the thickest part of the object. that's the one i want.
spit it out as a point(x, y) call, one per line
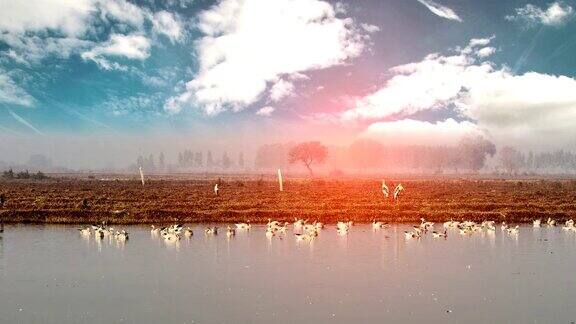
point(50, 274)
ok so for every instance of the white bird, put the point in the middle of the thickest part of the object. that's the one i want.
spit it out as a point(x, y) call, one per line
point(270, 233)
point(216, 189)
point(83, 231)
point(451, 224)
point(155, 230)
point(244, 226)
point(342, 230)
point(298, 223)
point(230, 231)
point(513, 230)
point(170, 237)
point(319, 225)
point(211, 231)
point(277, 227)
point(411, 234)
point(273, 224)
point(397, 191)
point(309, 227)
point(122, 236)
point(440, 235)
point(385, 189)
point(188, 232)
point(425, 225)
point(376, 225)
point(342, 226)
point(99, 233)
point(551, 222)
point(537, 222)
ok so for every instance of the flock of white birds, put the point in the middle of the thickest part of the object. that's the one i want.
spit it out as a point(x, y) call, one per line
point(305, 231)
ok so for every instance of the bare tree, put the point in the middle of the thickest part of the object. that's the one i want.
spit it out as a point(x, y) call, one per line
point(308, 153)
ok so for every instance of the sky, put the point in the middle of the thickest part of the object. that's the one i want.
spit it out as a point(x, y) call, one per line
point(94, 83)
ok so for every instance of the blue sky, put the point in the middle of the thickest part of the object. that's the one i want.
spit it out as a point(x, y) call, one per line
point(289, 68)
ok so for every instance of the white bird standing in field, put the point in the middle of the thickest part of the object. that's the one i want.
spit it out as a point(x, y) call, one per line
point(230, 231)
point(141, 174)
point(397, 191)
point(216, 189)
point(385, 189)
point(537, 222)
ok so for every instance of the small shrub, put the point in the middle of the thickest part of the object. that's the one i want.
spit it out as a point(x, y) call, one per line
point(9, 174)
point(23, 175)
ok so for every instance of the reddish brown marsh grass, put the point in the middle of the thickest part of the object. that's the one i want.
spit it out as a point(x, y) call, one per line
point(128, 202)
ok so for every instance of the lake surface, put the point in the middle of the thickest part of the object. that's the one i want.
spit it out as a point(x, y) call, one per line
point(51, 274)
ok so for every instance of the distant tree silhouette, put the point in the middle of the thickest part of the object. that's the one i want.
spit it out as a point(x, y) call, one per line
point(473, 151)
point(308, 153)
point(226, 161)
point(511, 159)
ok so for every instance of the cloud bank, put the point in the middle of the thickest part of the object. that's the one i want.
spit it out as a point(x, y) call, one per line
point(531, 108)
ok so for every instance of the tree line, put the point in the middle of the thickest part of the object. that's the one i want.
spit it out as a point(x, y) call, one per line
point(470, 154)
point(189, 160)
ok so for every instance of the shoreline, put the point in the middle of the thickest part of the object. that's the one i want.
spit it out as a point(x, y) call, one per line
point(80, 217)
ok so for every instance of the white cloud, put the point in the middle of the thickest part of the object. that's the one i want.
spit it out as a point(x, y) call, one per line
point(249, 44)
point(71, 17)
point(485, 52)
point(11, 93)
point(440, 10)
point(24, 26)
point(265, 111)
point(556, 14)
point(370, 28)
point(134, 47)
point(167, 24)
point(415, 132)
point(531, 108)
point(68, 16)
point(281, 89)
point(26, 49)
point(123, 11)
point(475, 42)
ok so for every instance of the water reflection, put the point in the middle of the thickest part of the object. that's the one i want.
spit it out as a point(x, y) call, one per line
point(53, 275)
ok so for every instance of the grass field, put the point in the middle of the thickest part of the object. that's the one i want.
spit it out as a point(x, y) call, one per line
point(160, 201)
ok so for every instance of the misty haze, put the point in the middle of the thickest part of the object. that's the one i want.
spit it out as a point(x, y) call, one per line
point(287, 161)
